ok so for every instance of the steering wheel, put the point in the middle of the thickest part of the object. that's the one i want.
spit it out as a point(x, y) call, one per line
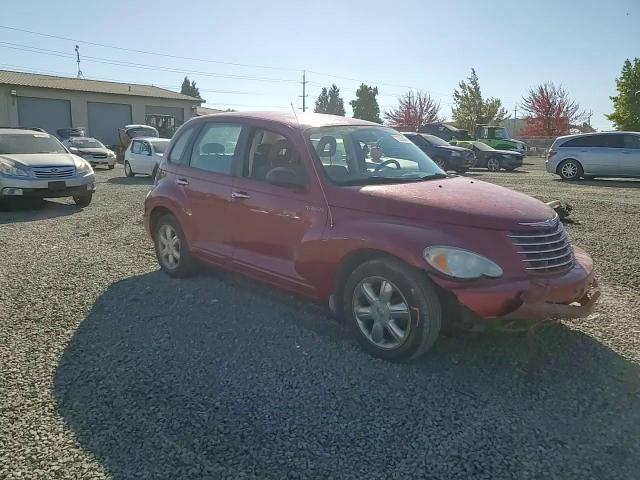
point(386, 163)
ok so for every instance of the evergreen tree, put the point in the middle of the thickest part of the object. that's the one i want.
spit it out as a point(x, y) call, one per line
point(365, 106)
point(190, 88)
point(626, 105)
point(471, 109)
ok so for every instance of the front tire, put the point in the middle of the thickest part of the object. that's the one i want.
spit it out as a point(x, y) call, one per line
point(393, 309)
point(83, 200)
point(493, 164)
point(171, 248)
point(570, 170)
point(127, 169)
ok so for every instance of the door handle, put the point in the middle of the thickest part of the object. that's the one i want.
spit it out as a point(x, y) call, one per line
point(182, 181)
point(239, 195)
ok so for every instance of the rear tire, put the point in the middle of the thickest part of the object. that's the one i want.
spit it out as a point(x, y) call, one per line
point(393, 309)
point(171, 248)
point(83, 200)
point(127, 169)
point(570, 170)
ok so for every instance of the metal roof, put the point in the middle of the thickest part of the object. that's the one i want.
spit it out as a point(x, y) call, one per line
point(8, 77)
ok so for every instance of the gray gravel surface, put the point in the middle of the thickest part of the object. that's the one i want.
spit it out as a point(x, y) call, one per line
point(110, 369)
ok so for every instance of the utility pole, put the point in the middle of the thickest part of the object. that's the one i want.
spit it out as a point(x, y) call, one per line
point(304, 90)
point(80, 74)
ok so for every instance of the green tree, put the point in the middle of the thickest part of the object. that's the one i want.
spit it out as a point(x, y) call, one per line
point(470, 109)
point(190, 88)
point(330, 102)
point(365, 106)
point(626, 105)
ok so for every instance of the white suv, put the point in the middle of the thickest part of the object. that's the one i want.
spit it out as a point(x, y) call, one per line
point(35, 164)
point(589, 155)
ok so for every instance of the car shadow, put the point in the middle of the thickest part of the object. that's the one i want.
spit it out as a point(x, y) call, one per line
point(604, 182)
point(137, 180)
point(217, 376)
point(19, 211)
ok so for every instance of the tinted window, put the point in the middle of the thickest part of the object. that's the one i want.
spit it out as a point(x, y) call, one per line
point(270, 150)
point(180, 144)
point(215, 148)
point(603, 141)
point(433, 140)
point(632, 141)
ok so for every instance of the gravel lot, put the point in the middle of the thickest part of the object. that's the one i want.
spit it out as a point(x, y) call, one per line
point(110, 369)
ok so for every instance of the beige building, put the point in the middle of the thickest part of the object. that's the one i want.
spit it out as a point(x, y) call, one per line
point(53, 103)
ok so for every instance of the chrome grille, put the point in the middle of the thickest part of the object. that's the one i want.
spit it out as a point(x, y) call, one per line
point(544, 249)
point(53, 172)
point(99, 155)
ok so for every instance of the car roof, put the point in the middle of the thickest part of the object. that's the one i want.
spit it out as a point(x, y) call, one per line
point(612, 132)
point(298, 120)
point(152, 139)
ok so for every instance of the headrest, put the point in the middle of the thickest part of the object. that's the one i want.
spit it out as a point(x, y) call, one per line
point(212, 148)
point(326, 146)
point(280, 150)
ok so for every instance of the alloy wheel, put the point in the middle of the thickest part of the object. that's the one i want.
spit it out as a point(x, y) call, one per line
point(569, 170)
point(493, 164)
point(381, 312)
point(169, 246)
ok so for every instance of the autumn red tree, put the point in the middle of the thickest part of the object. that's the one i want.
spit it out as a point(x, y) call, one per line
point(551, 112)
point(414, 110)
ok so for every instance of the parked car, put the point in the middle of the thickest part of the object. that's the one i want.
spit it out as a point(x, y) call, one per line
point(91, 150)
point(445, 131)
point(35, 164)
point(129, 132)
point(446, 156)
point(143, 155)
point(590, 155)
point(495, 136)
point(490, 158)
point(396, 246)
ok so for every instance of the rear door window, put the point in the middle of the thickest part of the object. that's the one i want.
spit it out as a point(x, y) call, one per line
point(609, 141)
point(215, 148)
point(135, 147)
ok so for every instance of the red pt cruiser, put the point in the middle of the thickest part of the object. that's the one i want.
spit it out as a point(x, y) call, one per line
point(350, 212)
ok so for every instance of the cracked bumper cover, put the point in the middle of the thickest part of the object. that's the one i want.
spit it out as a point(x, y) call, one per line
point(571, 295)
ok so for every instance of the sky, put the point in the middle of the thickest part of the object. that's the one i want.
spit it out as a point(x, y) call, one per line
point(250, 55)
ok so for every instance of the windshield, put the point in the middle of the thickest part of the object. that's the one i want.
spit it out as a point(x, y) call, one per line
point(433, 140)
point(86, 143)
point(481, 146)
point(501, 133)
point(29, 143)
point(160, 147)
point(361, 155)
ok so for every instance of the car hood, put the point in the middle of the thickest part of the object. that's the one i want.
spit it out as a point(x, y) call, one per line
point(455, 200)
point(41, 159)
point(507, 152)
point(91, 151)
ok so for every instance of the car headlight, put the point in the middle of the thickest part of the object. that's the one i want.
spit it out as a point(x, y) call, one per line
point(462, 264)
point(10, 170)
point(83, 167)
point(110, 154)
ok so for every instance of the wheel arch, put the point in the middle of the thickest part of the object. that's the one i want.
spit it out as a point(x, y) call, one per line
point(157, 212)
point(564, 160)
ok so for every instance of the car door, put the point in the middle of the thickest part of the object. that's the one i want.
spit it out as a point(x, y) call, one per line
point(271, 223)
point(630, 159)
point(145, 159)
point(133, 154)
point(205, 181)
point(598, 154)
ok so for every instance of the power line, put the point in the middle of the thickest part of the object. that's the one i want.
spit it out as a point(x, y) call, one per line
point(107, 61)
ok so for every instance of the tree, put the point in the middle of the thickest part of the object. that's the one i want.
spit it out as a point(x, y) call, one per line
point(365, 106)
point(190, 88)
point(330, 102)
point(470, 109)
point(551, 112)
point(414, 110)
point(626, 105)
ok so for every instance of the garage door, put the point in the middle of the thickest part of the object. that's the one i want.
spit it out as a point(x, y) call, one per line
point(50, 114)
point(106, 118)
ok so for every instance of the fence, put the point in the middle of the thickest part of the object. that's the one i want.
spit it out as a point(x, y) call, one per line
point(537, 145)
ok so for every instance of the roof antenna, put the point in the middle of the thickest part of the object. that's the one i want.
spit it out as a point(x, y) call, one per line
point(80, 74)
point(295, 114)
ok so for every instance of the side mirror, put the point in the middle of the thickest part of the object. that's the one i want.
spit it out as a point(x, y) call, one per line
point(74, 150)
point(285, 177)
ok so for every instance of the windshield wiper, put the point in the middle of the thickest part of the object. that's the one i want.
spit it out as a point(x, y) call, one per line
point(434, 176)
